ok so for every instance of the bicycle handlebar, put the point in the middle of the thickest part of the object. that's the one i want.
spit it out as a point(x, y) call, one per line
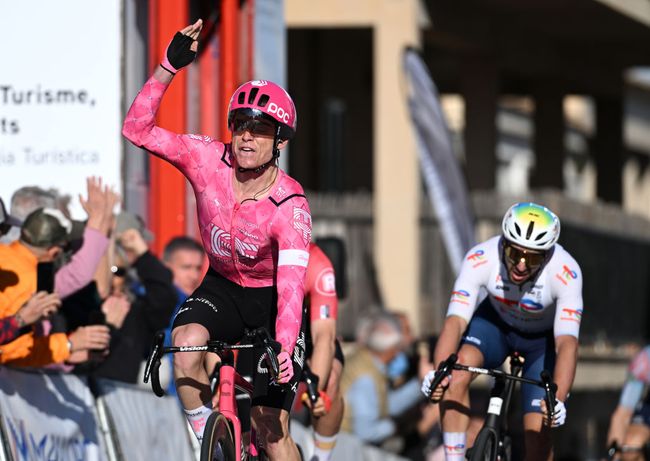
point(550, 388)
point(260, 339)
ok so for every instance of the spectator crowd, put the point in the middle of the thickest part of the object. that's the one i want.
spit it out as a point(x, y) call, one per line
point(87, 297)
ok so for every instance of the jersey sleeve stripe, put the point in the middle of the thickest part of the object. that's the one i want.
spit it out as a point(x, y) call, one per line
point(293, 258)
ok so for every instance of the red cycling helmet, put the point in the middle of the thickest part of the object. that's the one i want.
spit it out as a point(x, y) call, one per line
point(266, 99)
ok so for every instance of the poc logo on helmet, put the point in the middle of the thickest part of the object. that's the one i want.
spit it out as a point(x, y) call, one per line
point(279, 111)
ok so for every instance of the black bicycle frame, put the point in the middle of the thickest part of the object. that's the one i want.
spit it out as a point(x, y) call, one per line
point(500, 396)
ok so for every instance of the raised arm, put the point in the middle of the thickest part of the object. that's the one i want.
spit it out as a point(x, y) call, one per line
point(140, 123)
point(80, 270)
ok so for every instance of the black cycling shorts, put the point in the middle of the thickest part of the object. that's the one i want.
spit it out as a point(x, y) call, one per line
point(227, 309)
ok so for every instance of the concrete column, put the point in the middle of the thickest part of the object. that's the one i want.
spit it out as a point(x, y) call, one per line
point(608, 148)
point(396, 171)
point(396, 179)
point(480, 90)
point(548, 143)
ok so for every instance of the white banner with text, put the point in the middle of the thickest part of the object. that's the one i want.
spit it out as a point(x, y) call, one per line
point(60, 95)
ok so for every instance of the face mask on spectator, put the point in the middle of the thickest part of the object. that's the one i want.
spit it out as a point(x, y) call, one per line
point(398, 366)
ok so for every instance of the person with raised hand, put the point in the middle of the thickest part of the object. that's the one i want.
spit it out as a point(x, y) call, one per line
point(255, 225)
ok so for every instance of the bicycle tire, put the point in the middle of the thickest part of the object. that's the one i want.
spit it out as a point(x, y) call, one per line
point(218, 443)
point(485, 447)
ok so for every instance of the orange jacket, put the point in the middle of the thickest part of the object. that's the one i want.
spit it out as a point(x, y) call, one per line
point(17, 285)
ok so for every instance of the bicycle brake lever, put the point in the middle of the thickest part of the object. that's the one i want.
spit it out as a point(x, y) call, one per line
point(311, 380)
point(272, 360)
point(153, 364)
point(550, 388)
point(444, 369)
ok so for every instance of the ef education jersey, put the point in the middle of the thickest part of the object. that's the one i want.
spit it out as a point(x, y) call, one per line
point(551, 300)
point(320, 285)
point(254, 243)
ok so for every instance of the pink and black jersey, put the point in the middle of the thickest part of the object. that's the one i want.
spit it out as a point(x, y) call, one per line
point(253, 244)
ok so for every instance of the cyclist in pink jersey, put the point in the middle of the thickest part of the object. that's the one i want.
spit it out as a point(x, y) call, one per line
point(533, 306)
point(255, 225)
point(324, 353)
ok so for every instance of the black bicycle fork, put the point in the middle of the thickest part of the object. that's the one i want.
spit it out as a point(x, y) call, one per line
point(496, 421)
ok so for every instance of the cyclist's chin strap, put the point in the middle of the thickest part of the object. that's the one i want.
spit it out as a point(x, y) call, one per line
point(274, 157)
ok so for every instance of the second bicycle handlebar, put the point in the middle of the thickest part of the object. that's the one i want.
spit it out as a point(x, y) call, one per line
point(445, 368)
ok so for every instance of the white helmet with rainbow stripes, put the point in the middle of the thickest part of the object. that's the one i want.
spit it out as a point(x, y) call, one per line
point(531, 226)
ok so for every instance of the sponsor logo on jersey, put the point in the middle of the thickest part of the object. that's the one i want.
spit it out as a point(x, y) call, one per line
point(326, 282)
point(472, 339)
point(183, 309)
point(477, 258)
point(248, 234)
point(203, 138)
point(460, 297)
point(499, 284)
point(525, 305)
point(324, 311)
point(302, 223)
point(529, 305)
point(566, 275)
point(572, 315)
point(506, 301)
point(221, 243)
point(200, 300)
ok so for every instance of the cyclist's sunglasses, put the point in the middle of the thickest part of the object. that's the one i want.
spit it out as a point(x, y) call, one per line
point(254, 125)
point(515, 255)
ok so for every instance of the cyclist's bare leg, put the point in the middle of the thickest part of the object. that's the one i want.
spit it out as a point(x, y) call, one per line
point(539, 446)
point(637, 435)
point(329, 424)
point(189, 369)
point(272, 426)
point(454, 407)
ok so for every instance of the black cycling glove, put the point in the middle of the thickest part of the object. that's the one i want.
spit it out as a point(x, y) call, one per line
point(178, 53)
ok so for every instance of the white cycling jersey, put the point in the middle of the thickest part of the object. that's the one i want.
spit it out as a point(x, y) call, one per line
point(551, 300)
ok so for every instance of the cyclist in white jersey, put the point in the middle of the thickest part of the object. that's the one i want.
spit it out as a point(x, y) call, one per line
point(533, 306)
point(630, 423)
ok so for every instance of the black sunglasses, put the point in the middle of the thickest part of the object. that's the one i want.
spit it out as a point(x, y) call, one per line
point(254, 125)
